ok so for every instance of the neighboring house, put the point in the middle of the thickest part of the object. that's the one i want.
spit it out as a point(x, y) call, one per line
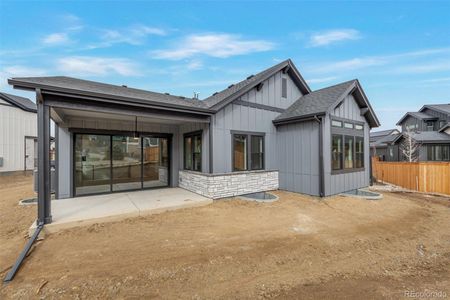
point(429, 128)
point(380, 144)
point(18, 134)
point(266, 132)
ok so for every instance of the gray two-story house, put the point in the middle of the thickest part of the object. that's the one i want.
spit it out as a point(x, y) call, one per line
point(429, 129)
point(269, 131)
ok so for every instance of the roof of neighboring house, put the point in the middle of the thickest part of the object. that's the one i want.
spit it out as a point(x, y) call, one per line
point(97, 89)
point(21, 102)
point(444, 108)
point(428, 137)
point(321, 101)
point(417, 115)
point(218, 100)
point(376, 135)
point(445, 127)
point(385, 140)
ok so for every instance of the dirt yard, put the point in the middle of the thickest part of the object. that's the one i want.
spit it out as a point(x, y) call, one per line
point(297, 247)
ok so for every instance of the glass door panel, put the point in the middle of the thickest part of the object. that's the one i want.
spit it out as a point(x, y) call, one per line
point(92, 164)
point(126, 163)
point(155, 159)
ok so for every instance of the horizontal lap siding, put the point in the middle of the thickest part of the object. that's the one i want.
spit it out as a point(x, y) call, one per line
point(298, 157)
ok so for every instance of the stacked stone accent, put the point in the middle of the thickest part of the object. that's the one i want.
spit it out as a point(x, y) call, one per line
point(216, 186)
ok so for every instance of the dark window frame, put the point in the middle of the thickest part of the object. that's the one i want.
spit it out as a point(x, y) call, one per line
point(192, 135)
point(248, 136)
point(105, 132)
point(431, 150)
point(347, 132)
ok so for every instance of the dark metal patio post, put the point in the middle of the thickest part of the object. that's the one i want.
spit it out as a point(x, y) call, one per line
point(44, 193)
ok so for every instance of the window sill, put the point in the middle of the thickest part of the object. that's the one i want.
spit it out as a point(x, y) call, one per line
point(345, 171)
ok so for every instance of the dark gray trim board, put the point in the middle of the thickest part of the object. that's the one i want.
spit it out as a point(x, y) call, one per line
point(44, 177)
point(259, 106)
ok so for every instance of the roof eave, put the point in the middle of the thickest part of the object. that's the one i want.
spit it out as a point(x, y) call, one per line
point(296, 119)
point(19, 105)
point(306, 89)
point(70, 92)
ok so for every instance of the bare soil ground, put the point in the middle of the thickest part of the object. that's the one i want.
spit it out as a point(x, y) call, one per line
point(297, 247)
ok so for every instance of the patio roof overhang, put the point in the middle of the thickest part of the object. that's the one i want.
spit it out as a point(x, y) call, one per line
point(57, 103)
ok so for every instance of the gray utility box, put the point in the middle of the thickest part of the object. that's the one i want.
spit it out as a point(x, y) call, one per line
point(52, 180)
point(1, 161)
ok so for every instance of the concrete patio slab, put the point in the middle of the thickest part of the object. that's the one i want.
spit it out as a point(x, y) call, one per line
point(81, 211)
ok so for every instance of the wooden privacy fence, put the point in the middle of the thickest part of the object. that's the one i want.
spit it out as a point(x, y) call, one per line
point(432, 177)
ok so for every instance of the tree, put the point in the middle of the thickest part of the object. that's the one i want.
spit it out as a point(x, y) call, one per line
point(409, 147)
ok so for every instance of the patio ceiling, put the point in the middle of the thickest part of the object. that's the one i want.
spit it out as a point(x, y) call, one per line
point(63, 116)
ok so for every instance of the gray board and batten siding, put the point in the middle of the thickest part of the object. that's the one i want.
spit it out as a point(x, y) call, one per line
point(252, 112)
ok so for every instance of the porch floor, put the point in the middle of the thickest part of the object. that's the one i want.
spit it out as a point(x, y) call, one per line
point(81, 211)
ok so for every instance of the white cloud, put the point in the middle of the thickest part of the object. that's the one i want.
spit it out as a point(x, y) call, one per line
point(18, 71)
point(321, 80)
point(428, 67)
point(420, 61)
point(134, 35)
point(195, 65)
point(216, 45)
point(333, 36)
point(56, 39)
point(87, 65)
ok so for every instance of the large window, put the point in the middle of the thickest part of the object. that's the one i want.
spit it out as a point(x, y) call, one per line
point(248, 152)
point(336, 152)
point(348, 152)
point(438, 152)
point(193, 151)
point(359, 152)
point(347, 145)
point(430, 126)
point(106, 163)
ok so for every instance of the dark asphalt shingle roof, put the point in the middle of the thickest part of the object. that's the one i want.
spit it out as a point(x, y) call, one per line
point(93, 87)
point(21, 102)
point(316, 102)
point(382, 132)
point(233, 89)
point(385, 140)
point(445, 108)
point(430, 137)
point(417, 115)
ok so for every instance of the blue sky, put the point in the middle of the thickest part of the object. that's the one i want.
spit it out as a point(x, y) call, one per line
point(400, 51)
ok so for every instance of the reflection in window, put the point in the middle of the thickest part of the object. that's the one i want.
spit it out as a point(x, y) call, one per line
point(240, 152)
point(257, 152)
point(193, 152)
point(359, 152)
point(336, 152)
point(348, 152)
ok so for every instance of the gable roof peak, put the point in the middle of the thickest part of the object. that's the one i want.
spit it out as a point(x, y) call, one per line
point(222, 98)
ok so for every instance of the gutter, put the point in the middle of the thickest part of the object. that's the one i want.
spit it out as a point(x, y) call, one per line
point(10, 276)
point(321, 164)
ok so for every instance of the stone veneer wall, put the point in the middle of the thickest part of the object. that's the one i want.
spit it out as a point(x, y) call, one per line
point(216, 186)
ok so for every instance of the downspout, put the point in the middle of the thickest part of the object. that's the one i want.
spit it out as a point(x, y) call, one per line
point(321, 164)
point(211, 169)
point(23, 254)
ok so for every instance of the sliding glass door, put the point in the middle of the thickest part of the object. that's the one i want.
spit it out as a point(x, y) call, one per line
point(92, 164)
point(155, 162)
point(126, 163)
point(110, 163)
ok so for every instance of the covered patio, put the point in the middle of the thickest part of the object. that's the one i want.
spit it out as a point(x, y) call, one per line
point(114, 146)
point(81, 211)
